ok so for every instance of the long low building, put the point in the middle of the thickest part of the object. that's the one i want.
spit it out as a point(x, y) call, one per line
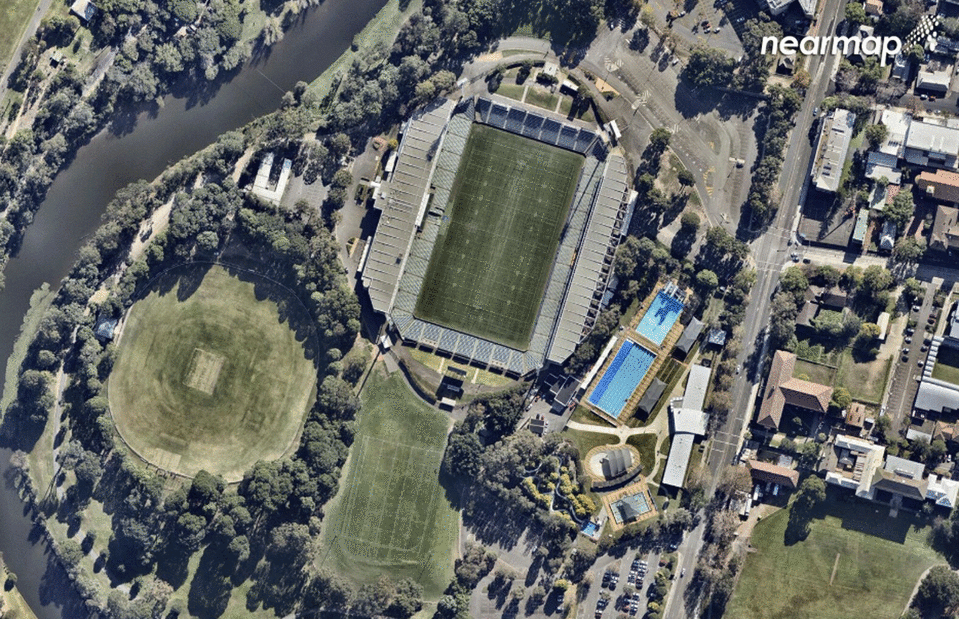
point(413, 203)
point(688, 421)
point(832, 149)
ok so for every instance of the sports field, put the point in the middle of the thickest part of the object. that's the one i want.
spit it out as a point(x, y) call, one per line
point(208, 375)
point(856, 562)
point(391, 516)
point(499, 236)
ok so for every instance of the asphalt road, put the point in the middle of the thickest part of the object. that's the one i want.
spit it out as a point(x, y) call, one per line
point(770, 252)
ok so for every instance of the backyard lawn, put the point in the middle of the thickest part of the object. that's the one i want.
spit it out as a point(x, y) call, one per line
point(866, 382)
point(856, 562)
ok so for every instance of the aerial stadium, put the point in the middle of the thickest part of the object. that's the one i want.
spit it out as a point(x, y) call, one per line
point(497, 233)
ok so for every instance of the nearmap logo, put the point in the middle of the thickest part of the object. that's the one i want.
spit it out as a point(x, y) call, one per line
point(884, 47)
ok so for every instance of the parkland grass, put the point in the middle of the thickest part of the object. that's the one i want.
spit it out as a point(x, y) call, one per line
point(212, 372)
point(392, 516)
point(497, 243)
point(880, 561)
point(14, 17)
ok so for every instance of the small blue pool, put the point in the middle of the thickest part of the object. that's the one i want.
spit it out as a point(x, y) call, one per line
point(660, 318)
point(621, 378)
point(590, 529)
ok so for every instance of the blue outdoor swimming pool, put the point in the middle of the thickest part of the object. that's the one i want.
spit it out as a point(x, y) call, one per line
point(659, 318)
point(621, 378)
point(590, 529)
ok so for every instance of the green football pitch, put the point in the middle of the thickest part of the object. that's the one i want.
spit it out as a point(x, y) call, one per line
point(392, 516)
point(498, 239)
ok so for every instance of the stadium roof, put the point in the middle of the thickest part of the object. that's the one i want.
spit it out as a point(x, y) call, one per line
point(400, 202)
point(653, 393)
point(680, 450)
point(594, 260)
point(690, 335)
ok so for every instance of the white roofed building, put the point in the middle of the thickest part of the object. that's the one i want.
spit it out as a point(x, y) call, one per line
point(832, 149)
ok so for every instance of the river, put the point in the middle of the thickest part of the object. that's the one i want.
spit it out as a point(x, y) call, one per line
point(78, 198)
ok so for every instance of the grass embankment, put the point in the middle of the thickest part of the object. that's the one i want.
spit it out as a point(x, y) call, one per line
point(877, 561)
point(41, 457)
point(381, 29)
point(392, 515)
point(14, 18)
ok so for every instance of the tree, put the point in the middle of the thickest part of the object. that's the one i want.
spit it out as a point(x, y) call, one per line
point(938, 594)
point(707, 281)
point(708, 67)
point(811, 493)
point(828, 275)
point(875, 134)
point(686, 179)
point(841, 398)
point(690, 221)
point(855, 13)
point(901, 209)
point(912, 289)
point(876, 279)
point(794, 281)
point(659, 139)
point(908, 249)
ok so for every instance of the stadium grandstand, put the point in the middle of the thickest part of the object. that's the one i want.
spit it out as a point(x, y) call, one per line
point(413, 203)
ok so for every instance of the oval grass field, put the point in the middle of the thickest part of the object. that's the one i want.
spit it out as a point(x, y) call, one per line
point(210, 373)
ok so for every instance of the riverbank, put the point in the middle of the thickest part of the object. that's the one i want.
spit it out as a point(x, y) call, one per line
point(382, 29)
point(12, 604)
point(72, 211)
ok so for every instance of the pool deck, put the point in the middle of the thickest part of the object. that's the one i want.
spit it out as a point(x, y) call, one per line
point(661, 352)
point(633, 488)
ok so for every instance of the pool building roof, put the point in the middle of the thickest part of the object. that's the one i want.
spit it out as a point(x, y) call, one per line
point(651, 396)
point(689, 421)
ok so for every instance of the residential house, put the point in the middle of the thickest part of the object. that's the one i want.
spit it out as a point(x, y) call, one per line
point(941, 185)
point(887, 238)
point(934, 78)
point(782, 390)
point(766, 472)
point(874, 8)
point(852, 463)
point(84, 9)
point(945, 229)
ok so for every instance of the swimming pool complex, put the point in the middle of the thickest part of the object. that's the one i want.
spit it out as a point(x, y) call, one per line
point(638, 501)
point(621, 378)
point(660, 318)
